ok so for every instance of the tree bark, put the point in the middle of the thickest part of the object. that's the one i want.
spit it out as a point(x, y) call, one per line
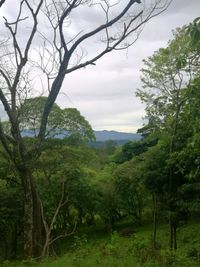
point(45, 249)
point(14, 241)
point(175, 240)
point(154, 219)
point(28, 213)
point(171, 232)
point(37, 222)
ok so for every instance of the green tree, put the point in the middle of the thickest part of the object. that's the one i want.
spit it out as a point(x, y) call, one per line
point(130, 188)
point(155, 178)
point(69, 123)
point(167, 78)
point(61, 122)
point(108, 199)
point(11, 208)
point(194, 31)
point(133, 149)
point(64, 184)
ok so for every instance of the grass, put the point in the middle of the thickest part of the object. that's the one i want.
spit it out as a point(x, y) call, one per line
point(97, 249)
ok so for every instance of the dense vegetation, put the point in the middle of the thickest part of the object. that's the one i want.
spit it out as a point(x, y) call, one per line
point(42, 42)
point(92, 199)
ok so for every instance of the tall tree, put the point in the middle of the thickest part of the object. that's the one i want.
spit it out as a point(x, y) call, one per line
point(130, 188)
point(154, 176)
point(60, 52)
point(167, 76)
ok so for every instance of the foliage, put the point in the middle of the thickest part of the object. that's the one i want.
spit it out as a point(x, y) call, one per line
point(61, 122)
point(194, 31)
point(117, 251)
point(169, 92)
point(11, 210)
point(164, 75)
point(133, 149)
point(130, 188)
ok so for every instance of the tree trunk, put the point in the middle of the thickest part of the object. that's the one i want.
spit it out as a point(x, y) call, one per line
point(175, 240)
point(45, 249)
point(80, 216)
point(139, 215)
point(14, 241)
point(171, 232)
point(37, 223)
point(28, 213)
point(32, 216)
point(154, 219)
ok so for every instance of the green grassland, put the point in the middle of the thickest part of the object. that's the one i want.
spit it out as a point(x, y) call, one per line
point(98, 249)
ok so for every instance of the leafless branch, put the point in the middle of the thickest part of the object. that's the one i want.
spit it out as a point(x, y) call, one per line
point(64, 235)
point(48, 228)
point(102, 27)
point(2, 2)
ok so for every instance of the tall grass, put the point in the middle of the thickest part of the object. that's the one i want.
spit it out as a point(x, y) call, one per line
point(118, 251)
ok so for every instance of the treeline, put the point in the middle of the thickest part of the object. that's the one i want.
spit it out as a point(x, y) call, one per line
point(73, 184)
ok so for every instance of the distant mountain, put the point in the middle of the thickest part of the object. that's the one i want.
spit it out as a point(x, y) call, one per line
point(116, 136)
point(101, 136)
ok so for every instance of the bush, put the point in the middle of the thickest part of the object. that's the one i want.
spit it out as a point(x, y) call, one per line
point(79, 241)
point(113, 246)
point(144, 251)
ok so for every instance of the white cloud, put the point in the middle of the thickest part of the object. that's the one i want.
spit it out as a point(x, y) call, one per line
point(104, 93)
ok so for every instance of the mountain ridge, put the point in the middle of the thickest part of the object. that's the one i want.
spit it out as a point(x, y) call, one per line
point(105, 135)
point(101, 136)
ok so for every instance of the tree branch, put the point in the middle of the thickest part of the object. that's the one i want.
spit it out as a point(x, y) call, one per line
point(6, 105)
point(102, 27)
point(64, 235)
point(64, 15)
point(5, 142)
point(2, 2)
point(6, 78)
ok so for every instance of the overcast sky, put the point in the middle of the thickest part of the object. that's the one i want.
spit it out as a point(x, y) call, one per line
point(105, 93)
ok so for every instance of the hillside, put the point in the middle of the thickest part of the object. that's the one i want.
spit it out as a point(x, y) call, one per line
point(116, 136)
point(102, 136)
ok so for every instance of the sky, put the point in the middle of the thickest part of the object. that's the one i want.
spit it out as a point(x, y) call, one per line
point(105, 93)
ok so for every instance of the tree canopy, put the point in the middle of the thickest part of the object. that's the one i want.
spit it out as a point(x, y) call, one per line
point(61, 122)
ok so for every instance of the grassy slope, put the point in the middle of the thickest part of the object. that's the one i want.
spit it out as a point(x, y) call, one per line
point(97, 250)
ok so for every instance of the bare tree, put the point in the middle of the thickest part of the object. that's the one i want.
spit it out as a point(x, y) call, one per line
point(49, 239)
point(40, 39)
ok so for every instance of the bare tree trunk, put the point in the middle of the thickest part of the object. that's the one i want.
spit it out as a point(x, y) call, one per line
point(32, 215)
point(28, 213)
point(45, 249)
point(49, 227)
point(37, 223)
point(32, 207)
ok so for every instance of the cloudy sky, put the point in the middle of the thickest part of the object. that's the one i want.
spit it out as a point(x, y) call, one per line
point(105, 93)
